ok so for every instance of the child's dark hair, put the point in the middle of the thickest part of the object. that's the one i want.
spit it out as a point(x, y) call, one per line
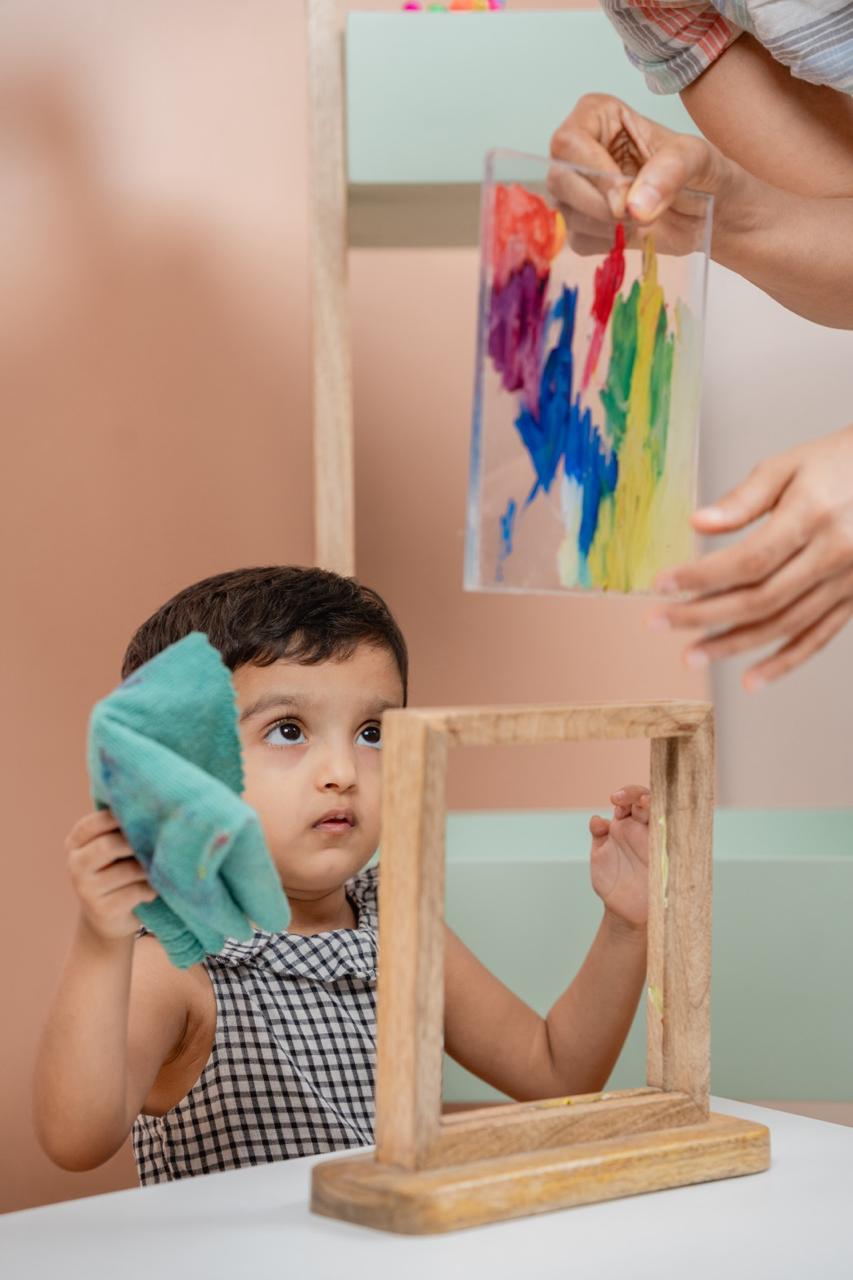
point(282, 611)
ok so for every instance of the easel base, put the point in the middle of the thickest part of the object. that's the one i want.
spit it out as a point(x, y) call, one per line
point(427, 1202)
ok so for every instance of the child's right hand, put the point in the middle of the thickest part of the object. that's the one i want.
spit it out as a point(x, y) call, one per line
point(106, 876)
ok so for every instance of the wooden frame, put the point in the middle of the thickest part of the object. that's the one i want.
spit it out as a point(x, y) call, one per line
point(432, 1174)
point(334, 483)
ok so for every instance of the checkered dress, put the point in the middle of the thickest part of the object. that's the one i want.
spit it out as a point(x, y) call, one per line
point(292, 1064)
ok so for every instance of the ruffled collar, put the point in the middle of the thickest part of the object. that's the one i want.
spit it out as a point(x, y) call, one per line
point(322, 957)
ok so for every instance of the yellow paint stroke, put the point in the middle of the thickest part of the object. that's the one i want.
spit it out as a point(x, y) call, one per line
point(664, 860)
point(656, 1000)
point(670, 539)
point(569, 1102)
point(617, 561)
point(644, 526)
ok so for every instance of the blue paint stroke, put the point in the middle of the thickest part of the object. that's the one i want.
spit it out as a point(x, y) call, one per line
point(544, 433)
point(562, 431)
point(596, 469)
point(507, 523)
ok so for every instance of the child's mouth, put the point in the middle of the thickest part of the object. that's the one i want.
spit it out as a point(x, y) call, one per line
point(338, 822)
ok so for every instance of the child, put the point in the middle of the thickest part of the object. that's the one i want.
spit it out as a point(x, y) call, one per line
point(266, 1050)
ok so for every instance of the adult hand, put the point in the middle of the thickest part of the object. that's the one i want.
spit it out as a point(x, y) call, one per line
point(651, 170)
point(790, 579)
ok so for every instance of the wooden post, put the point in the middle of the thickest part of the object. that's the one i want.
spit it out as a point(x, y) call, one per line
point(334, 498)
point(410, 1008)
point(679, 931)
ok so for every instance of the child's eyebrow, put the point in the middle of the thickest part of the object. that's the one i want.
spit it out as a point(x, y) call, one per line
point(303, 702)
point(295, 701)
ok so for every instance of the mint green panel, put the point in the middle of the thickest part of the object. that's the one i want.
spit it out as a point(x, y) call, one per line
point(428, 94)
point(518, 893)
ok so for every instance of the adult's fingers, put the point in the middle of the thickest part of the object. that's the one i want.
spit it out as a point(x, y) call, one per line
point(604, 133)
point(579, 194)
point(589, 246)
point(600, 229)
point(745, 605)
point(787, 623)
point(586, 135)
point(799, 649)
point(744, 563)
point(682, 161)
point(754, 497)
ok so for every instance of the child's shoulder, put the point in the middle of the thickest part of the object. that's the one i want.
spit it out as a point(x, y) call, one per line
point(179, 995)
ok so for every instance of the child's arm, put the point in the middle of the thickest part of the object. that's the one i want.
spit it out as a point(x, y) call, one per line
point(120, 1012)
point(494, 1034)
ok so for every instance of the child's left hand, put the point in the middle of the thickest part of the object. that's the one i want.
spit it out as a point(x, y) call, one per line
point(619, 862)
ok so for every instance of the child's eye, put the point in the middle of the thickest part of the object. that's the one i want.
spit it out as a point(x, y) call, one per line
point(287, 733)
point(371, 736)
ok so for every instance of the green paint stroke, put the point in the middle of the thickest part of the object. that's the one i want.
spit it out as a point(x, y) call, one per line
point(656, 1000)
point(660, 384)
point(623, 350)
point(616, 392)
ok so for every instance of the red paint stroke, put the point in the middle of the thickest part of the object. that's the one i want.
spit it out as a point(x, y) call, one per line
point(525, 228)
point(608, 280)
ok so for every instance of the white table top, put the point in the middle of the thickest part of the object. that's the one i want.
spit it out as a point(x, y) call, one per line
point(794, 1221)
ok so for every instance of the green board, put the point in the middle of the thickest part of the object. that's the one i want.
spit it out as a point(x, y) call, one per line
point(429, 94)
point(518, 893)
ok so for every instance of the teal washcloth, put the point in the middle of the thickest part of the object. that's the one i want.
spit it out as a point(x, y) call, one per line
point(164, 756)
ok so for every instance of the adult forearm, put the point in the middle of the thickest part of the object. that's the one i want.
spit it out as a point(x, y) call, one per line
point(796, 248)
point(588, 1024)
point(81, 1108)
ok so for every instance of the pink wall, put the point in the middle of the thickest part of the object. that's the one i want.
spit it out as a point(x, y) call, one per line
point(154, 364)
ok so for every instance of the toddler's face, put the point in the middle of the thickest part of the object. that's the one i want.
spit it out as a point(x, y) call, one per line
point(311, 752)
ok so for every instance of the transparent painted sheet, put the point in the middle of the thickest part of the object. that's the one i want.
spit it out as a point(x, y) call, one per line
point(586, 403)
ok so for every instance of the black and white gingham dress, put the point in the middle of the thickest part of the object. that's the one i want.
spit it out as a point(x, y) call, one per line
point(292, 1065)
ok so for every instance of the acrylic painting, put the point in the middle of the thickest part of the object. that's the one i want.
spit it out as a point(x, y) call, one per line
point(586, 404)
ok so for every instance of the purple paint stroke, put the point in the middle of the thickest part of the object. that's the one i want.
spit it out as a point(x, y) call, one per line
point(517, 318)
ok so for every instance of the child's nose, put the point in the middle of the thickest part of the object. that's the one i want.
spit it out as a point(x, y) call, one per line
point(337, 770)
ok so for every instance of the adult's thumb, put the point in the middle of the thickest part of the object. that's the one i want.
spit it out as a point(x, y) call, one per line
point(681, 162)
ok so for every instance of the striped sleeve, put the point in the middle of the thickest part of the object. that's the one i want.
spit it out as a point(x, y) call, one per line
point(671, 43)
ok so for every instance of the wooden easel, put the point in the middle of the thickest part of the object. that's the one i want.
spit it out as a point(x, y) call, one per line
point(430, 1174)
point(334, 485)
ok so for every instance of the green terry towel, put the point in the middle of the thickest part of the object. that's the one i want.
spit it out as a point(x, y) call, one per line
point(164, 756)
